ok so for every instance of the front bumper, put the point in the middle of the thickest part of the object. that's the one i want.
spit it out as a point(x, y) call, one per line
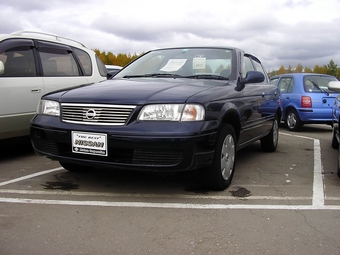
point(147, 151)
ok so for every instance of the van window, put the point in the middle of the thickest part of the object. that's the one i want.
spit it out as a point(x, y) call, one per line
point(101, 67)
point(85, 61)
point(18, 61)
point(58, 64)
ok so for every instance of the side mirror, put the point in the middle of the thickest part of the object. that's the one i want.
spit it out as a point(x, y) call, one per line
point(253, 77)
point(334, 86)
point(2, 67)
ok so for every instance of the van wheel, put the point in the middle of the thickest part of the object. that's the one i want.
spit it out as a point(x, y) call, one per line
point(220, 173)
point(293, 121)
point(270, 141)
point(75, 167)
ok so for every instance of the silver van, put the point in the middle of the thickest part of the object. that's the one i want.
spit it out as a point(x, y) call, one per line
point(33, 64)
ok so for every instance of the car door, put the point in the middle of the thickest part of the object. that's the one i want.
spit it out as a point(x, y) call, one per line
point(59, 66)
point(20, 87)
point(286, 87)
point(271, 97)
point(253, 102)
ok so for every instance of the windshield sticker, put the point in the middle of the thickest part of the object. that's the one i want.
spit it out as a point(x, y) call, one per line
point(198, 63)
point(173, 65)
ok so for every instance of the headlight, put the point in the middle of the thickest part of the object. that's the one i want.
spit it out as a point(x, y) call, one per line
point(49, 107)
point(172, 112)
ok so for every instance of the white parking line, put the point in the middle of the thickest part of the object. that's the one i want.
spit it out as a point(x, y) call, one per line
point(318, 182)
point(318, 198)
point(167, 205)
point(30, 176)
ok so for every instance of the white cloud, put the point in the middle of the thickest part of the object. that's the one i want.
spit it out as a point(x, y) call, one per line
point(278, 32)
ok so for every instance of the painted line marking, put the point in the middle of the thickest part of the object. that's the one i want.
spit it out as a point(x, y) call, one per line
point(318, 181)
point(167, 205)
point(30, 176)
point(179, 196)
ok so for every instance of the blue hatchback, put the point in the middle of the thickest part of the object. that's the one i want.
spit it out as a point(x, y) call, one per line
point(306, 98)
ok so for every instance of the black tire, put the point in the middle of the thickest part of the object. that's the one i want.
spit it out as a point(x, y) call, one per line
point(338, 171)
point(293, 121)
point(335, 143)
point(75, 167)
point(220, 174)
point(269, 142)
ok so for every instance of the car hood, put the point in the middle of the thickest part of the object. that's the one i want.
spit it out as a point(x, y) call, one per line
point(138, 91)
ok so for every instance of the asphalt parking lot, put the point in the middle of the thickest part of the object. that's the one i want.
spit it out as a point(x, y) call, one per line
point(287, 202)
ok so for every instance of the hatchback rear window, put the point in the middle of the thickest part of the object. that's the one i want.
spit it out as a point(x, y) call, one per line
point(317, 84)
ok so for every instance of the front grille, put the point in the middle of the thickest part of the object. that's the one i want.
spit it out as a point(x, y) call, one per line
point(45, 146)
point(156, 157)
point(97, 114)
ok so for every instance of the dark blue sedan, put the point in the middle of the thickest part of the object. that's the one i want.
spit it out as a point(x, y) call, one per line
point(335, 86)
point(306, 98)
point(170, 110)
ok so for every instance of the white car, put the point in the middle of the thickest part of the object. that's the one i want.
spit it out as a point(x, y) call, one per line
point(33, 64)
point(112, 70)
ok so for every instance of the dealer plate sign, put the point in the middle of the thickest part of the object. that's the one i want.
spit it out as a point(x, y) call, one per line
point(89, 143)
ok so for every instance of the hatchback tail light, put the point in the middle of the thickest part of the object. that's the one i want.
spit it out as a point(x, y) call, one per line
point(306, 102)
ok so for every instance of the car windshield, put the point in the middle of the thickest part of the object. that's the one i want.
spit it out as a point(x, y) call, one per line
point(193, 63)
point(317, 84)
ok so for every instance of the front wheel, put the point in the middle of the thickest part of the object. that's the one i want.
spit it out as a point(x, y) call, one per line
point(270, 141)
point(74, 167)
point(221, 172)
point(293, 121)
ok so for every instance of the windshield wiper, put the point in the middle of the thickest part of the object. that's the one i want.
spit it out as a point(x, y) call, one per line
point(153, 75)
point(316, 85)
point(207, 76)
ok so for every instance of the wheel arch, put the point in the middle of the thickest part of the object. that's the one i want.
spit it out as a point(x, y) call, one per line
point(288, 108)
point(232, 117)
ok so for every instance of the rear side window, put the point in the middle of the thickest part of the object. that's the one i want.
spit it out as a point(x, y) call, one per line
point(56, 64)
point(286, 84)
point(101, 67)
point(17, 59)
point(85, 61)
point(57, 60)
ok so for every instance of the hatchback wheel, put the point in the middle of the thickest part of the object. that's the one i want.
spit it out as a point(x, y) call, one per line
point(293, 121)
point(74, 167)
point(221, 172)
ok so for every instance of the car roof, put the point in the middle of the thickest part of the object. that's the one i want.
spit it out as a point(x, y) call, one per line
point(113, 66)
point(299, 75)
point(43, 36)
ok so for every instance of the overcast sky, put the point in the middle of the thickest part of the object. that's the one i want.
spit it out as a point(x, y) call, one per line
point(285, 32)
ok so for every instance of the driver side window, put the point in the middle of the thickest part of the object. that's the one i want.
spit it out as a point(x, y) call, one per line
point(247, 66)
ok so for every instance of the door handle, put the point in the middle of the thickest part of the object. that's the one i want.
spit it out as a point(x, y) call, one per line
point(37, 90)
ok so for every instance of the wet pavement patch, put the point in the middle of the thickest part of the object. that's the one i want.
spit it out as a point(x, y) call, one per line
point(61, 185)
point(240, 192)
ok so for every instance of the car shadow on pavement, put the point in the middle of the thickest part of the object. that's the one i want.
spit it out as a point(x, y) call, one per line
point(15, 147)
